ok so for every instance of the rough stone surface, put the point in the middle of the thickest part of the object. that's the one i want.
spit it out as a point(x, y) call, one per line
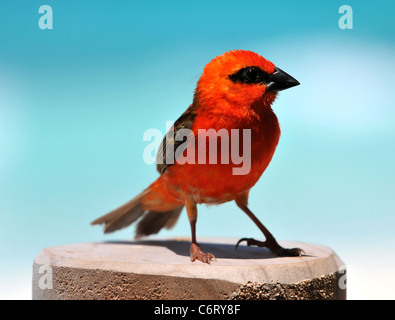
point(321, 288)
point(161, 269)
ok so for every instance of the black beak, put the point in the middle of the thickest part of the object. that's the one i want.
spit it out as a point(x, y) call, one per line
point(280, 80)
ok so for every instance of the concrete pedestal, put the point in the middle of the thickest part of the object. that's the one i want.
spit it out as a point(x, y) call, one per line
point(161, 269)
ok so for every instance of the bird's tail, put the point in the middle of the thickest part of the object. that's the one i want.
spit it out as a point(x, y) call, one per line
point(155, 206)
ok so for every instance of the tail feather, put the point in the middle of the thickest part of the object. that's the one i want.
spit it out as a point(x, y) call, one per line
point(156, 207)
point(122, 216)
point(154, 221)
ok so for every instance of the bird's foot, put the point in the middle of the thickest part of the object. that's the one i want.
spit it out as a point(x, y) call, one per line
point(198, 254)
point(273, 246)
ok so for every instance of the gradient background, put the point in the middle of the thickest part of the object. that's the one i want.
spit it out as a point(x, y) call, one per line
point(75, 102)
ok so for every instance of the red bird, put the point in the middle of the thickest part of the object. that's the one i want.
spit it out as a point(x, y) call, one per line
point(235, 91)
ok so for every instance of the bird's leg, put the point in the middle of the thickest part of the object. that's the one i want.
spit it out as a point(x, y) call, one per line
point(195, 251)
point(270, 241)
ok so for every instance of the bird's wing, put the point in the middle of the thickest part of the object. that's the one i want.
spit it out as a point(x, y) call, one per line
point(185, 121)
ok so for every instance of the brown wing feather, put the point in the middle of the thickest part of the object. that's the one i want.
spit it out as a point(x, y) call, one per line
point(185, 121)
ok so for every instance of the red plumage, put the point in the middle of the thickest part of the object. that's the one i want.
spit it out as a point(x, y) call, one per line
point(235, 91)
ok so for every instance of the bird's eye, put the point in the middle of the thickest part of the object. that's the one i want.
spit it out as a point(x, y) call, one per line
point(249, 75)
point(252, 75)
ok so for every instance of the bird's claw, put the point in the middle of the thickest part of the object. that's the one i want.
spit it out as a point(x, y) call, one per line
point(274, 247)
point(293, 252)
point(250, 242)
point(197, 254)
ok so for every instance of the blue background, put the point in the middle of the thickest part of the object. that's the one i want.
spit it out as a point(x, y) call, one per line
point(75, 102)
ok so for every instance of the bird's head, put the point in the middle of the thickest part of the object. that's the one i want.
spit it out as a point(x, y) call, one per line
point(242, 77)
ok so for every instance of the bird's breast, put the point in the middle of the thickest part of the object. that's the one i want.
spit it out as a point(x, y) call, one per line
point(230, 154)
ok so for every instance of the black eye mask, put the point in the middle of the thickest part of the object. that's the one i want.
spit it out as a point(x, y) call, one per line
point(250, 75)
